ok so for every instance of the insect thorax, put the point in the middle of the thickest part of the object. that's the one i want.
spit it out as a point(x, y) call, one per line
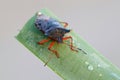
point(57, 34)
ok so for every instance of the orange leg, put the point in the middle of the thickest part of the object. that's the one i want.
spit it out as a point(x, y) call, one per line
point(71, 42)
point(54, 51)
point(65, 24)
point(76, 48)
point(43, 41)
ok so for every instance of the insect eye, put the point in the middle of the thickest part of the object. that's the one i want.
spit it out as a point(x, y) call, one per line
point(39, 24)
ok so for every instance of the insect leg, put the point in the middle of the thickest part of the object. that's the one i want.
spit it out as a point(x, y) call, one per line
point(54, 51)
point(50, 57)
point(82, 50)
point(76, 48)
point(43, 41)
point(65, 24)
point(71, 42)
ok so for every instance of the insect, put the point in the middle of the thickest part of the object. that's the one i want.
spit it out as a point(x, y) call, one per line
point(55, 31)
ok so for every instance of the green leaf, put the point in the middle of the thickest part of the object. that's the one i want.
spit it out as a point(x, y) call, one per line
point(71, 65)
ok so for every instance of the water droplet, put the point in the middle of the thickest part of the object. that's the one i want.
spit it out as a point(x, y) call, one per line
point(86, 63)
point(100, 74)
point(90, 67)
point(98, 65)
point(39, 13)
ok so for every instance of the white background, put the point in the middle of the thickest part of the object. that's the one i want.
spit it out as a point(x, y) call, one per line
point(97, 21)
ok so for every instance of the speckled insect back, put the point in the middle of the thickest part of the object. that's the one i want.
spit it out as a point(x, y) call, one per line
point(55, 31)
point(51, 27)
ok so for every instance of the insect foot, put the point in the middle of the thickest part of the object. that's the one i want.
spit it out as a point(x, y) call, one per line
point(82, 50)
point(55, 52)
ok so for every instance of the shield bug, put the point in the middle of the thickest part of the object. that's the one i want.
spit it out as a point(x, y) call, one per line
point(55, 31)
